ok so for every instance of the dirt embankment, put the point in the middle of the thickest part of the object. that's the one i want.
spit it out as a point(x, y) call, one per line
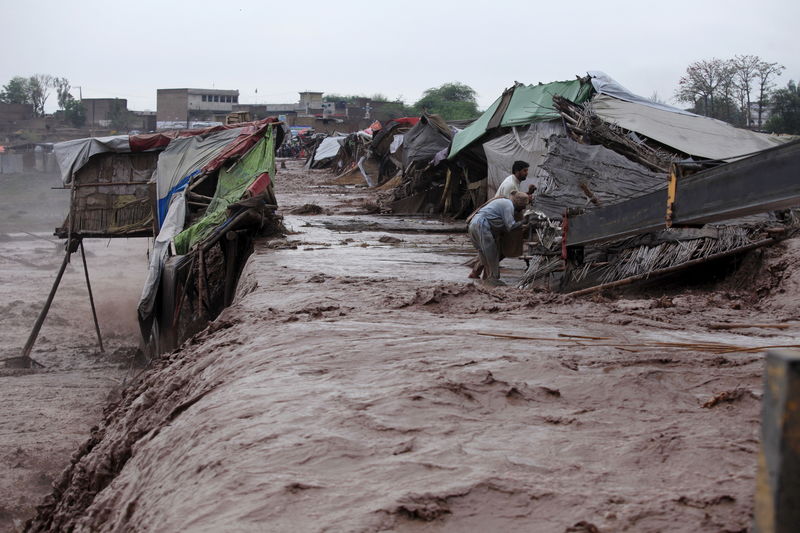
point(363, 384)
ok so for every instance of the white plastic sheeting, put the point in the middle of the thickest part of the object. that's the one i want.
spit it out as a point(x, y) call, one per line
point(605, 84)
point(173, 224)
point(328, 148)
point(523, 144)
point(72, 155)
point(691, 134)
point(397, 142)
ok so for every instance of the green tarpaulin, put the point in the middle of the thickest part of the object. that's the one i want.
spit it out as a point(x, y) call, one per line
point(529, 103)
point(231, 185)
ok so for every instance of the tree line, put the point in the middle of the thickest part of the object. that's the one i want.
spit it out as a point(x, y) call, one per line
point(36, 89)
point(728, 89)
point(452, 101)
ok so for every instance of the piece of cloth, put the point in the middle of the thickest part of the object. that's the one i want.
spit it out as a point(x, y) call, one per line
point(485, 241)
point(509, 185)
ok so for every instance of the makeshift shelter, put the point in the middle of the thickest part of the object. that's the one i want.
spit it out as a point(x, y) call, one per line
point(419, 188)
point(627, 147)
point(475, 165)
point(188, 189)
point(387, 147)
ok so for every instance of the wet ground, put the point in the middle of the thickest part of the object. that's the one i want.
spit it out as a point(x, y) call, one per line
point(360, 382)
point(45, 414)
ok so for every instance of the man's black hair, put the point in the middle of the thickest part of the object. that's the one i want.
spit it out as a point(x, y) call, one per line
point(519, 165)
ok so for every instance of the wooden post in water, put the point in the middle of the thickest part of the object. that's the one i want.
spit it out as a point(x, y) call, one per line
point(91, 299)
point(777, 501)
point(72, 245)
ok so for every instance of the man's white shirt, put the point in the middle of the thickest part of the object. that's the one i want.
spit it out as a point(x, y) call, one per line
point(509, 185)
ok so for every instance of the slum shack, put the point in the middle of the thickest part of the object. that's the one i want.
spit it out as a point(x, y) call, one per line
point(201, 194)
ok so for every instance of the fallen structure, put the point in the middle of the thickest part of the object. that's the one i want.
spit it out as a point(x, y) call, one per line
point(201, 194)
point(673, 227)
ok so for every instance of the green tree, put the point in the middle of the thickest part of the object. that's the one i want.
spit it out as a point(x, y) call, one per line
point(119, 116)
point(62, 91)
point(74, 112)
point(452, 101)
point(786, 111)
point(16, 91)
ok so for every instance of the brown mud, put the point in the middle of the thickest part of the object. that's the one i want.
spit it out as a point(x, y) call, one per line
point(360, 382)
point(45, 414)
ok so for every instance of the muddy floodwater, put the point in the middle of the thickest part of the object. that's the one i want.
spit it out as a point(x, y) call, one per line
point(360, 382)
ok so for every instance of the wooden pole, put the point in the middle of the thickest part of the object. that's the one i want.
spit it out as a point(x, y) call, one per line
point(231, 245)
point(91, 299)
point(26, 351)
point(777, 497)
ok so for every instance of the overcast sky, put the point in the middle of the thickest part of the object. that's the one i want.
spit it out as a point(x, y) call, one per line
point(271, 50)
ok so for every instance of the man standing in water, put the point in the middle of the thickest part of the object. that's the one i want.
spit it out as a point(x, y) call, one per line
point(486, 227)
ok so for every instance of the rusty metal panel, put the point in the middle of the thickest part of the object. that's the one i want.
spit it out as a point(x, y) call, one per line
point(766, 181)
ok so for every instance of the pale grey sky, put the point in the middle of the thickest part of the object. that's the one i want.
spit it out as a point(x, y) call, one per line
point(401, 48)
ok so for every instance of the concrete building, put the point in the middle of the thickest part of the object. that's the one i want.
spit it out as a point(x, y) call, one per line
point(100, 111)
point(183, 105)
point(15, 112)
point(310, 102)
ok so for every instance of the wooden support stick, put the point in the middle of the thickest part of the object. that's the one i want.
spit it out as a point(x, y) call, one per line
point(230, 246)
point(91, 299)
point(26, 351)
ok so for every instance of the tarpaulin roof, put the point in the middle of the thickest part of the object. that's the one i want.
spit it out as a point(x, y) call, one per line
point(527, 144)
point(691, 134)
point(520, 105)
point(425, 140)
point(329, 147)
point(72, 155)
point(231, 185)
point(183, 159)
point(605, 84)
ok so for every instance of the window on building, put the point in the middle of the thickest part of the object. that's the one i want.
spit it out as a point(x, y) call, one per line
point(204, 98)
point(236, 99)
point(216, 98)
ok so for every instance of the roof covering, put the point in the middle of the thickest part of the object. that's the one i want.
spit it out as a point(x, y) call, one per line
point(422, 142)
point(527, 144)
point(691, 134)
point(520, 105)
point(72, 155)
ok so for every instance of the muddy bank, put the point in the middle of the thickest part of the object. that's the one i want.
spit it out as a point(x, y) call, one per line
point(362, 384)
